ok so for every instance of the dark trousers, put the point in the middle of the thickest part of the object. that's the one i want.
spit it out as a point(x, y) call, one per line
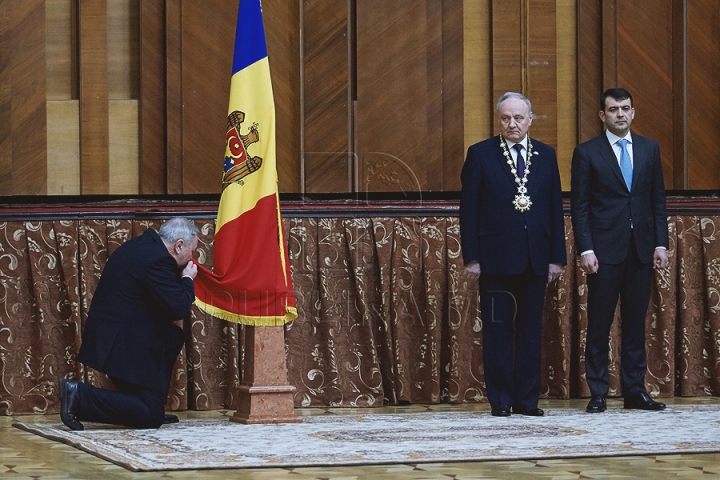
point(131, 405)
point(511, 308)
point(630, 280)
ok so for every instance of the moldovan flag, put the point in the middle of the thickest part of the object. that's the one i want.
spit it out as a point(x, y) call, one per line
point(250, 282)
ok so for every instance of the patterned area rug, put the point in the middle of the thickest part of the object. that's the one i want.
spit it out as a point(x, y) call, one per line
point(345, 439)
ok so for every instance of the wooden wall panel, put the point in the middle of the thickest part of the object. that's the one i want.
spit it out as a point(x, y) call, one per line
point(29, 113)
point(174, 123)
point(608, 17)
point(123, 19)
point(123, 141)
point(152, 126)
point(208, 36)
point(63, 139)
point(590, 72)
point(680, 111)
point(541, 68)
point(453, 94)
point(123, 92)
point(6, 144)
point(433, 164)
point(23, 99)
point(644, 64)
point(567, 85)
point(508, 48)
point(282, 32)
point(703, 94)
point(93, 96)
point(398, 146)
point(478, 109)
point(327, 155)
point(61, 49)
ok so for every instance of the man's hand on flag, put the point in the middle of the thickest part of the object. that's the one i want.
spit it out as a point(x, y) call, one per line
point(190, 270)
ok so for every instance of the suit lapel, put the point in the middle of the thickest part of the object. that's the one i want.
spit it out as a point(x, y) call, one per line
point(500, 155)
point(535, 164)
point(608, 155)
point(639, 157)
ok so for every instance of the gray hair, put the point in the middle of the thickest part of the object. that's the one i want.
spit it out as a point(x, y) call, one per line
point(507, 95)
point(178, 228)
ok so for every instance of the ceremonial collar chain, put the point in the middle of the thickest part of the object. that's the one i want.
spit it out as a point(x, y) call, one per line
point(522, 200)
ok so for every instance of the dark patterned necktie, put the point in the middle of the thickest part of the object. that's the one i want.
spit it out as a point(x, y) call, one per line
point(520, 160)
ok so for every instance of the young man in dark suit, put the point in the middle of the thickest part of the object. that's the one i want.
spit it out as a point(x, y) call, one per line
point(129, 335)
point(513, 240)
point(620, 225)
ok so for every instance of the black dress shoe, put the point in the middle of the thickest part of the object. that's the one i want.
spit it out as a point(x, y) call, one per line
point(642, 401)
point(69, 404)
point(170, 419)
point(597, 404)
point(529, 411)
point(500, 411)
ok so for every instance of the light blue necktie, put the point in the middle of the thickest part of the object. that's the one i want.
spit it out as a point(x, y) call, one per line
point(625, 163)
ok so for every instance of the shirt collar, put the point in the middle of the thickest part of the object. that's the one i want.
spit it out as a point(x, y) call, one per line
point(612, 138)
point(522, 142)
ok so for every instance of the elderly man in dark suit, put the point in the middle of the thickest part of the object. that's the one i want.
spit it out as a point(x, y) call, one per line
point(513, 240)
point(129, 335)
point(620, 225)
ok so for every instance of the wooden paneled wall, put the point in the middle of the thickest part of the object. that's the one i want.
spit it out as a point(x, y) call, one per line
point(130, 96)
point(409, 95)
point(327, 98)
point(23, 125)
point(699, 97)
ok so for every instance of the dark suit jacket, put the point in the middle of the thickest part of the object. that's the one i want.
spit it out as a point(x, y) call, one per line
point(493, 232)
point(139, 295)
point(603, 209)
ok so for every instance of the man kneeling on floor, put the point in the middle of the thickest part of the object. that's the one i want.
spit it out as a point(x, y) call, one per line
point(129, 335)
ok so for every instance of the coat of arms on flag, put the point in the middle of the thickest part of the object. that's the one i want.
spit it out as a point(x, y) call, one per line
point(237, 162)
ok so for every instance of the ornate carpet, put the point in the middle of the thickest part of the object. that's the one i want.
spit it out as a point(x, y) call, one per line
point(347, 439)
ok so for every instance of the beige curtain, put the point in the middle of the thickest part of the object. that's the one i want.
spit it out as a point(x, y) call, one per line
point(384, 315)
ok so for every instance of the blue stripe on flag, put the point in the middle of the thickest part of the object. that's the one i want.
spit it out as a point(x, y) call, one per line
point(250, 43)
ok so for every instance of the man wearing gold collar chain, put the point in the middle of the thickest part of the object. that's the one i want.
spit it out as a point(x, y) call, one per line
point(513, 241)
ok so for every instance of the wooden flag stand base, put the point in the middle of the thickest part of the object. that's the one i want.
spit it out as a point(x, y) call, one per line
point(264, 394)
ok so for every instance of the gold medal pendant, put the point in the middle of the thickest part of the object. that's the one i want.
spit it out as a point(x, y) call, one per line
point(522, 202)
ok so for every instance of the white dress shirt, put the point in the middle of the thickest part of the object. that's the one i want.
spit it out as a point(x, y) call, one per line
point(513, 152)
point(613, 139)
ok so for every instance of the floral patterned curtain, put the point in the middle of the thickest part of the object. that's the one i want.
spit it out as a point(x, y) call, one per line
point(384, 315)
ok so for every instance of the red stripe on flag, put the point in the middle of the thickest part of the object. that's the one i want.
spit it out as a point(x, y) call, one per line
point(248, 277)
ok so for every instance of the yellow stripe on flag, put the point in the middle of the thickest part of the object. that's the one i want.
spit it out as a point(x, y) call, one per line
point(258, 105)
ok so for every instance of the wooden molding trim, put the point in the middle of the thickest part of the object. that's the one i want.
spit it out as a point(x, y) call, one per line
point(202, 208)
